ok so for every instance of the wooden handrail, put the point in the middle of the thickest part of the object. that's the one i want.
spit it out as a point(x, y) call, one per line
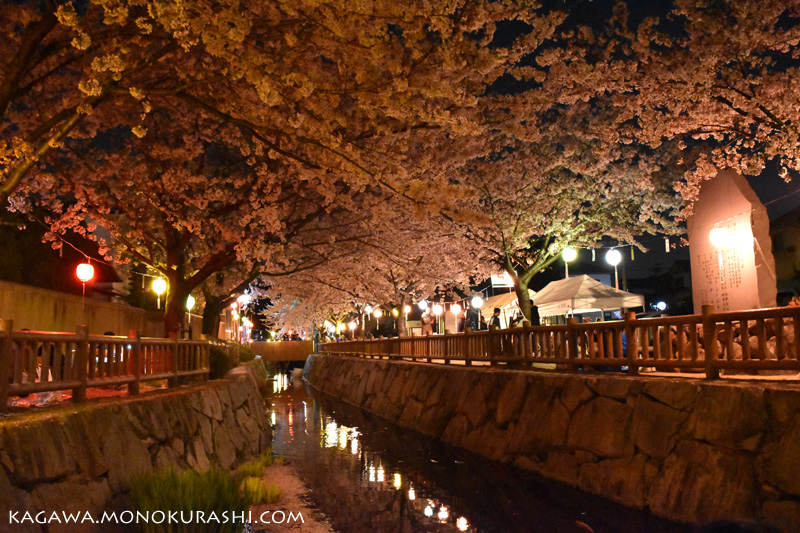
point(753, 340)
point(41, 361)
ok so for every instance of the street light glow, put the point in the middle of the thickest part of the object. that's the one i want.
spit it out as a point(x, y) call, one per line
point(455, 309)
point(160, 286)
point(613, 257)
point(437, 309)
point(423, 304)
point(569, 254)
point(476, 301)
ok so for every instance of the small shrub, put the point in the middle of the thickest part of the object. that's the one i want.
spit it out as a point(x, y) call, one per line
point(213, 491)
point(255, 467)
point(219, 362)
point(246, 354)
point(274, 493)
point(254, 489)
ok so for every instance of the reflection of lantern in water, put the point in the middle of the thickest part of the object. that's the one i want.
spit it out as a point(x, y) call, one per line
point(343, 431)
point(462, 524)
point(331, 434)
point(428, 511)
point(372, 473)
point(381, 474)
point(274, 418)
point(412, 494)
point(398, 481)
point(354, 445)
point(443, 514)
point(291, 415)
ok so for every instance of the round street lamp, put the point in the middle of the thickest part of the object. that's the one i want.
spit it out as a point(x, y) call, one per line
point(190, 301)
point(613, 257)
point(455, 309)
point(159, 287)
point(423, 304)
point(476, 302)
point(378, 313)
point(569, 254)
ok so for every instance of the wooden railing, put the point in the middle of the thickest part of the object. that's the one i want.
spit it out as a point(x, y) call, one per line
point(747, 341)
point(37, 361)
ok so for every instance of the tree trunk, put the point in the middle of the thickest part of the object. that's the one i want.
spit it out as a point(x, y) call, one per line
point(175, 310)
point(175, 301)
point(211, 312)
point(523, 296)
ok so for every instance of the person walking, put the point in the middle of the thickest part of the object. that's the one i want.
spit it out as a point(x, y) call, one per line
point(495, 321)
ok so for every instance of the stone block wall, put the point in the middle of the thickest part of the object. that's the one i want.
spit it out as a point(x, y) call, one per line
point(82, 458)
point(684, 449)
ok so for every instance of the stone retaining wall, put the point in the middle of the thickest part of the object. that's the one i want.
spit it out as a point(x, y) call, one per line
point(684, 449)
point(82, 458)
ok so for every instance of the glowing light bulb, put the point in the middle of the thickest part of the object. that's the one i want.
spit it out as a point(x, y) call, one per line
point(613, 257)
point(85, 272)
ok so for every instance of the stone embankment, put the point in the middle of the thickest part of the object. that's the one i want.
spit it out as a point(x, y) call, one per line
point(684, 449)
point(82, 458)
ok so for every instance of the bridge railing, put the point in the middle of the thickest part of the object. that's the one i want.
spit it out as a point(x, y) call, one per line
point(42, 361)
point(746, 341)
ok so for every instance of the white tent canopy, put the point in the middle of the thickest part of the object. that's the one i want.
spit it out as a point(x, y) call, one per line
point(582, 294)
point(507, 303)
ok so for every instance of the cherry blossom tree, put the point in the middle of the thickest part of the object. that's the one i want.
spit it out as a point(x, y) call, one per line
point(404, 257)
point(525, 204)
point(715, 80)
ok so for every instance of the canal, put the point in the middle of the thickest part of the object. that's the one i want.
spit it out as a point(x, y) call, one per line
point(370, 476)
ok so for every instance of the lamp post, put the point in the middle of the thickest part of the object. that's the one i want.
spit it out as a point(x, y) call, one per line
point(437, 311)
point(476, 304)
point(613, 257)
point(190, 301)
point(569, 254)
point(159, 287)
point(406, 310)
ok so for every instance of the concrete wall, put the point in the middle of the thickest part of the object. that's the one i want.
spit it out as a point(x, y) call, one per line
point(82, 458)
point(684, 449)
point(43, 310)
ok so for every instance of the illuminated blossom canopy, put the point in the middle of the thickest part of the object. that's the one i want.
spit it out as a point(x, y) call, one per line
point(245, 138)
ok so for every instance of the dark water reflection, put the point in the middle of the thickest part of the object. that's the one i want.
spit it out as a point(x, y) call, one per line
point(368, 475)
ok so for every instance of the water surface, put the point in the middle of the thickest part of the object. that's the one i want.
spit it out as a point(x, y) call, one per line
point(368, 475)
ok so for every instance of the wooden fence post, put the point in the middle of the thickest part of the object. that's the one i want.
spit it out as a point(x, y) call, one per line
point(136, 358)
point(6, 361)
point(631, 343)
point(173, 381)
point(572, 344)
point(527, 347)
point(82, 364)
point(710, 342)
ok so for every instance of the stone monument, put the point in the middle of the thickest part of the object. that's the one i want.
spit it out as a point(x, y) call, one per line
point(731, 252)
